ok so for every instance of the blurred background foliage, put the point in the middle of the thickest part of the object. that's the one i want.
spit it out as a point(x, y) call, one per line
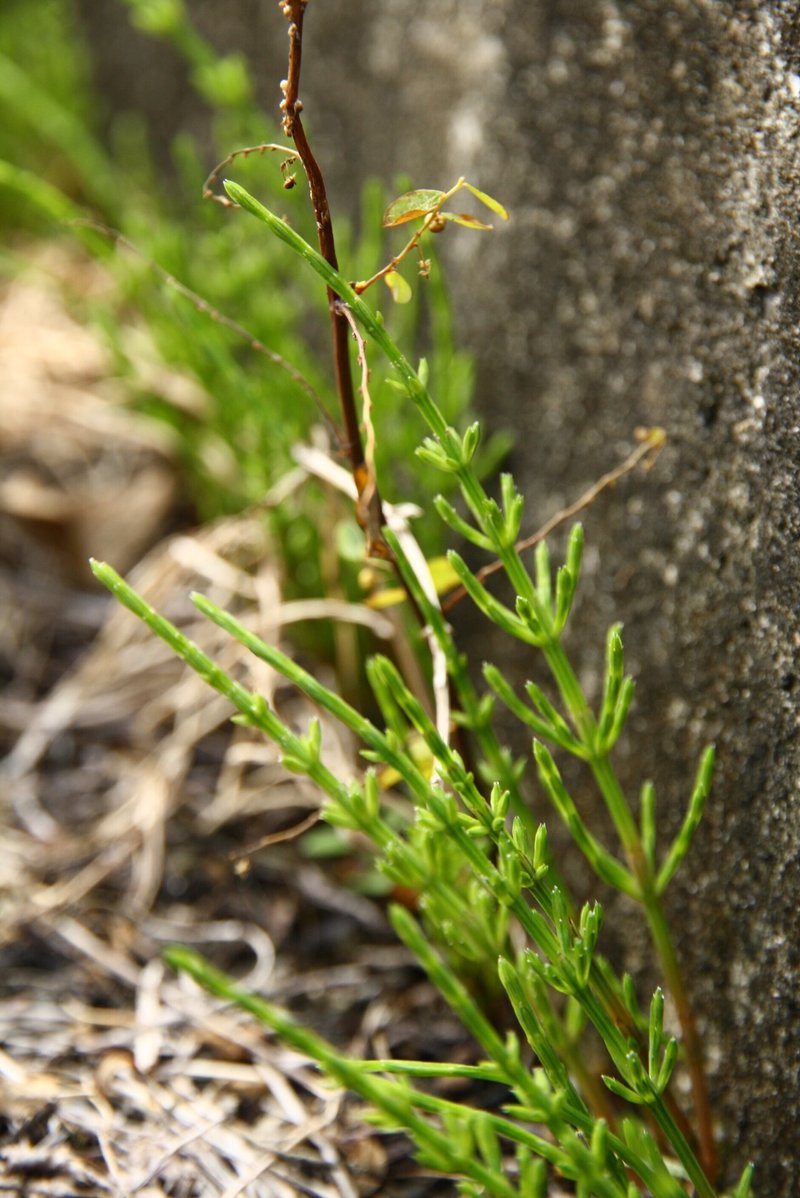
point(235, 422)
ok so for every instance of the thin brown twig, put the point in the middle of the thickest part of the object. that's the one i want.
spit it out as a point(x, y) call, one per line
point(652, 441)
point(209, 192)
point(239, 856)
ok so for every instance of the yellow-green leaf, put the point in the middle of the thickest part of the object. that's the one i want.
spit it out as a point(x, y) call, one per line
point(420, 755)
point(489, 201)
point(464, 218)
point(401, 291)
point(387, 598)
point(411, 206)
point(444, 579)
point(444, 576)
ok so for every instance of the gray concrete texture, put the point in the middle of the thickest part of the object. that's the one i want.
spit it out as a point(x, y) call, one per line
point(648, 151)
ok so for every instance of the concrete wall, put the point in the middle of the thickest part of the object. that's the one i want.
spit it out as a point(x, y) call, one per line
point(649, 154)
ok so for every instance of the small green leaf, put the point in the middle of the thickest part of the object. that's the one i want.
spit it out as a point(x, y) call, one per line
point(506, 695)
point(314, 738)
point(565, 592)
point(656, 1031)
point(544, 577)
point(626, 693)
point(434, 454)
point(400, 289)
point(499, 801)
point(600, 1142)
point(575, 551)
point(294, 764)
point(681, 844)
point(526, 613)
point(629, 997)
point(667, 1065)
point(488, 200)
point(612, 686)
point(338, 816)
point(648, 822)
point(540, 849)
point(533, 1179)
point(244, 721)
point(743, 1189)
point(621, 1091)
point(451, 517)
point(548, 712)
point(497, 612)
point(411, 206)
point(488, 1144)
point(470, 442)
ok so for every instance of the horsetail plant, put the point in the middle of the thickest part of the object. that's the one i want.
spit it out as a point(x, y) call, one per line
point(489, 893)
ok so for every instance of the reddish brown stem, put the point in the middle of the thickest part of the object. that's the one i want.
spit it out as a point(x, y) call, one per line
point(291, 106)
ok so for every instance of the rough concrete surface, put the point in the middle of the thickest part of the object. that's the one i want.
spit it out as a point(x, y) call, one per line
point(648, 150)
